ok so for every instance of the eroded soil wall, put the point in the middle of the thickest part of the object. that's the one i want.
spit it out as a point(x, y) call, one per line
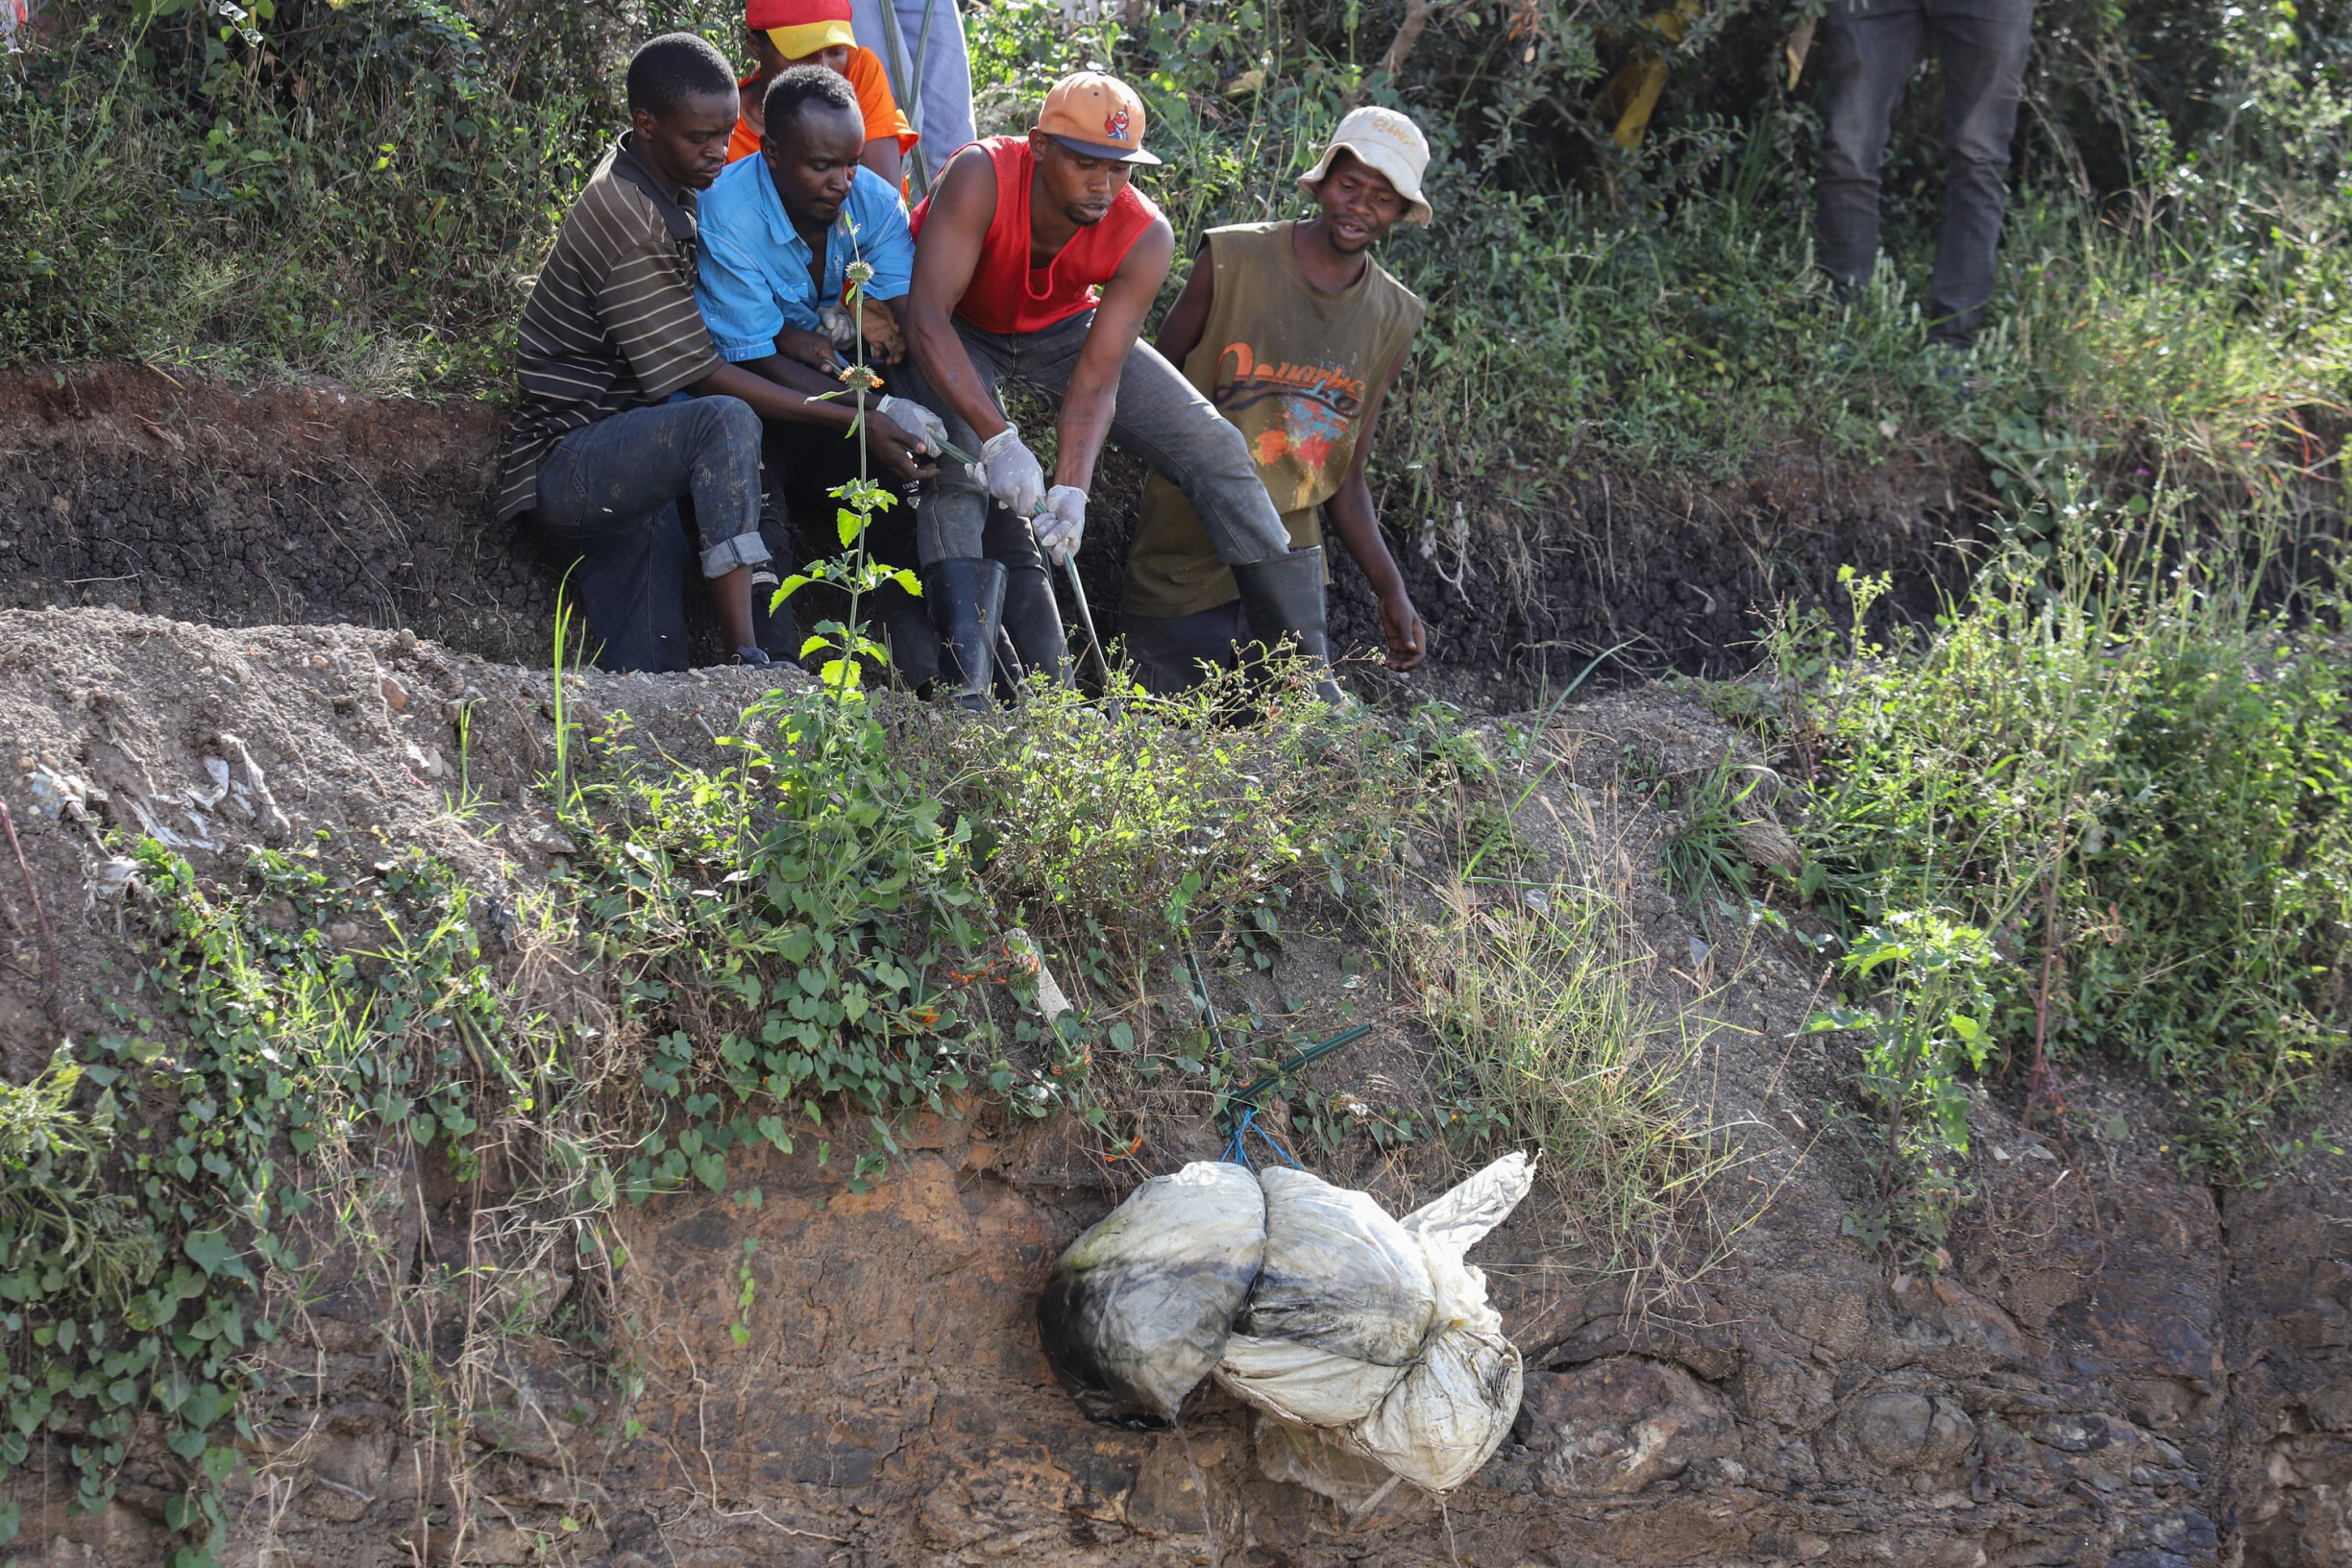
point(288, 504)
point(2121, 1369)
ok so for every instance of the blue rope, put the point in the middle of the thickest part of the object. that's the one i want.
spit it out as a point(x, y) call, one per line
point(1236, 1151)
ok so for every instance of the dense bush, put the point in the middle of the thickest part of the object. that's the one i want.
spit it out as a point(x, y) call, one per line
point(2136, 787)
point(363, 190)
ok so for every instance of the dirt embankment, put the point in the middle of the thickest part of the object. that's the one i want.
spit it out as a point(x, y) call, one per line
point(279, 505)
point(119, 486)
point(2121, 1370)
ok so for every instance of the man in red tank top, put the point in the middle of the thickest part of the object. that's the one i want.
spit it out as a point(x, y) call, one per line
point(1036, 261)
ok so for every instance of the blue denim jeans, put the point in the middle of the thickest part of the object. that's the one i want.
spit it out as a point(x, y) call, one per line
point(608, 497)
point(1160, 418)
point(1869, 49)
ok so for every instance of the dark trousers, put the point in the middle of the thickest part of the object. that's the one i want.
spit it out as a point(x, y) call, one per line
point(1168, 651)
point(1869, 50)
point(1159, 417)
point(804, 464)
point(608, 497)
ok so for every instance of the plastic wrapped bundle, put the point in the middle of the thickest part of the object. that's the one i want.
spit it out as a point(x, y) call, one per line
point(1340, 1274)
point(1456, 1403)
point(1434, 1415)
point(1140, 1308)
point(1301, 1384)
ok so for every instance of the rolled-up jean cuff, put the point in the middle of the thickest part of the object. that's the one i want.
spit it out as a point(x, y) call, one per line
point(725, 556)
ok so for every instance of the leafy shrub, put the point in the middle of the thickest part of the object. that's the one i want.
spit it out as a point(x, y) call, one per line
point(799, 929)
point(2137, 787)
point(262, 1071)
point(1168, 815)
point(364, 187)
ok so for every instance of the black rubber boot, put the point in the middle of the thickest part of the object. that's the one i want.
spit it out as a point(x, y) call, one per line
point(1033, 619)
point(967, 598)
point(776, 632)
point(1283, 598)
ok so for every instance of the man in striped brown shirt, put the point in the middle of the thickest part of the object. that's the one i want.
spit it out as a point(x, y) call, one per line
point(604, 443)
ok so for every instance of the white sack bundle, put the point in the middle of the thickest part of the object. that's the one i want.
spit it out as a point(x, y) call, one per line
point(1338, 1275)
point(1432, 1416)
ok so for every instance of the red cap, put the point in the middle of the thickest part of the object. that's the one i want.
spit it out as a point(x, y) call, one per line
point(762, 14)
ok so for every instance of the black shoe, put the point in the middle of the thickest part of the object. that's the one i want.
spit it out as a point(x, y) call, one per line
point(776, 632)
point(966, 594)
point(1283, 598)
point(751, 655)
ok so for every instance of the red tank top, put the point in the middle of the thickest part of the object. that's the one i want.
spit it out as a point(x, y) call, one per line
point(1004, 295)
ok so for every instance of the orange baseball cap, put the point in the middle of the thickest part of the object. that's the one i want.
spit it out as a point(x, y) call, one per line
point(1096, 116)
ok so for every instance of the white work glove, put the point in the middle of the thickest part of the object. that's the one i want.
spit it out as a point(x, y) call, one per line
point(836, 323)
point(1060, 523)
point(1015, 477)
point(916, 420)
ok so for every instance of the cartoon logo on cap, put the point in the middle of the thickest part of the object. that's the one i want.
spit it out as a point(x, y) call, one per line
point(1114, 124)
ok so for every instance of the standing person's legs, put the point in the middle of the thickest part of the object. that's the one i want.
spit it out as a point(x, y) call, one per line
point(1867, 49)
point(1981, 45)
point(945, 64)
point(938, 99)
point(608, 494)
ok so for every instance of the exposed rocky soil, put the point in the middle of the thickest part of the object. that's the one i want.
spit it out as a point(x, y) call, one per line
point(2121, 1368)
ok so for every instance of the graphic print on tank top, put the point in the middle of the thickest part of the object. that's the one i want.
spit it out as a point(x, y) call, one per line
point(1300, 415)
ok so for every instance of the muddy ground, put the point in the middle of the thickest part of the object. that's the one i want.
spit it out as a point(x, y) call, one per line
point(288, 504)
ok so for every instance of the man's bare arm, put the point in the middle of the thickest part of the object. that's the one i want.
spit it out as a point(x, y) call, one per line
point(796, 373)
point(947, 251)
point(1357, 523)
point(1092, 397)
point(1181, 328)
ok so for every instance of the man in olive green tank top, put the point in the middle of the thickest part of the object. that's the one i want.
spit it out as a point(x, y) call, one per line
point(1295, 334)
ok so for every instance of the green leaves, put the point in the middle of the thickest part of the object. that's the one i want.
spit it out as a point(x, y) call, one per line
point(211, 1251)
point(276, 1041)
point(2103, 754)
point(809, 974)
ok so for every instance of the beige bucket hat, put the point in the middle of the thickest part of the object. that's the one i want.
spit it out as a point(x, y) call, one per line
point(1384, 140)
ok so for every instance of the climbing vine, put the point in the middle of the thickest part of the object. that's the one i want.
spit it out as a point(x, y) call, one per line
point(794, 948)
point(800, 930)
point(139, 1239)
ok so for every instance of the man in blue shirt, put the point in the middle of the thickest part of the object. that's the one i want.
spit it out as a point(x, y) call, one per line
point(779, 232)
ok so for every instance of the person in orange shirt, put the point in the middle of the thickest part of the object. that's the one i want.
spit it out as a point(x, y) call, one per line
point(789, 33)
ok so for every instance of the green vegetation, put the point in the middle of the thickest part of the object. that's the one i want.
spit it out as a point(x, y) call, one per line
point(2103, 806)
point(363, 190)
point(1543, 1041)
point(796, 951)
point(262, 1073)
